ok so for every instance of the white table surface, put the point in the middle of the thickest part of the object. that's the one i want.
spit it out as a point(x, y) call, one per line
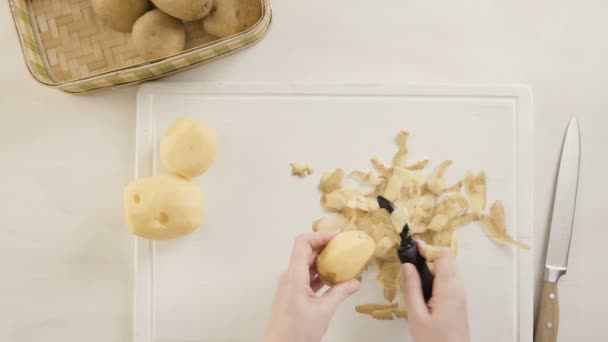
point(65, 255)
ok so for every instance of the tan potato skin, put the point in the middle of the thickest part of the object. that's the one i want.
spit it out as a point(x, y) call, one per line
point(188, 10)
point(163, 207)
point(229, 17)
point(120, 15)
point(345, 257)
point(157, 35)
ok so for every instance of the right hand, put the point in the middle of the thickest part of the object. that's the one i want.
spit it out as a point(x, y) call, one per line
point(445, 318)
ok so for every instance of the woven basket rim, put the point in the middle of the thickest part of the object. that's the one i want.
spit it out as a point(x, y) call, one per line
point(263, 23)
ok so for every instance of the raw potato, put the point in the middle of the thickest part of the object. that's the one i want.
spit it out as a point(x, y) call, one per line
point(188, 10)
point(229, 17)
point(120, 15)
point(345, 257)
point(156, 35)
point(195, 36)
point(188, 148)
point(163, 207)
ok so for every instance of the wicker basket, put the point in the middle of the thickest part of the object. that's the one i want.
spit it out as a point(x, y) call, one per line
point(66, 46)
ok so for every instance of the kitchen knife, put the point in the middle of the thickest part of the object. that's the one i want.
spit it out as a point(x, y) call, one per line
point(560, 234)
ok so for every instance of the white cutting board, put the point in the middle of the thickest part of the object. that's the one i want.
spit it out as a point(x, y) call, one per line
point(217, 284)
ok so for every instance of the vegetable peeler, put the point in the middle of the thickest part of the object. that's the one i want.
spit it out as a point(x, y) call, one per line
point(408, 252)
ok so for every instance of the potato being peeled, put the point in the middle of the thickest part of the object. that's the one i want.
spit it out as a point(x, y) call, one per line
point(157, 35)
point(120, 15)
point(188, 10)
point(188, 148)
point(163, 207)
point(229, 17)
point(345, 257)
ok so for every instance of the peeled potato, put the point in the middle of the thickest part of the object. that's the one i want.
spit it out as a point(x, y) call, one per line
point(120, 15)
point(188, 148)
point(163, 207)
point(188, 10)
point(157, 35)
point(229, 17)
point(345, 257)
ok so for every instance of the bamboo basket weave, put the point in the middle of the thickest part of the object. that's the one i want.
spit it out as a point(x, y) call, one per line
point(66, 46)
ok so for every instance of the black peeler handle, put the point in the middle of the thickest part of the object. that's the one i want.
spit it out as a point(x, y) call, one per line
point(409, 254)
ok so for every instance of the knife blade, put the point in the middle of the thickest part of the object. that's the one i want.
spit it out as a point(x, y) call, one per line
point(560, 234)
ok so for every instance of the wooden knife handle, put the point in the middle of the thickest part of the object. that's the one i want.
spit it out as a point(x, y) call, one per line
point(548, 317)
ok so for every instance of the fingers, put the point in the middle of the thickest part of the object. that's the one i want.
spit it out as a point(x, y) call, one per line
point(445, 265)
point(316, 284)
point(429, 252)
point(339, 292)
point(412, 292)
point(304, 253)
point(305, 244)
point(312, 258)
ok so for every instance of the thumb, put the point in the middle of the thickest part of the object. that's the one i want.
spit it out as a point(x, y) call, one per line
point(412, 292)
point(338, 293)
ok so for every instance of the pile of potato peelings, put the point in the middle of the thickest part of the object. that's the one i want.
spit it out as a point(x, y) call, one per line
point(432, 209)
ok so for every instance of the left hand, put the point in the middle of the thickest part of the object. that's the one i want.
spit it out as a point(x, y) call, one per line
point(298, 314)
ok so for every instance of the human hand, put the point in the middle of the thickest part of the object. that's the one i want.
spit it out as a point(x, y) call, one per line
point(298, 313)
point(445, 318)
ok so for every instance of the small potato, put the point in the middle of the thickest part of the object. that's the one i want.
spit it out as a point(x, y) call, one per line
point(157, 35)
point(120, 15)
point(229, 17)
point(345, 257)
point(163, 207)
point(188, 10)
point(188, 148)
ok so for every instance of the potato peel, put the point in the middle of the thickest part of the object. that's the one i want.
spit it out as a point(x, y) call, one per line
point(383, 314)
point(418, 165)
point(432, 210)
point(402, 154)
point(495, 227)
point(366, 178)
point(301, 170)
point(330, 223)
point(339, 198)
point(331, 181)
point(399, 217)
point(476, 189)
point(400, 312)
point(383, 247)
point(462, 220)
point(369, 308)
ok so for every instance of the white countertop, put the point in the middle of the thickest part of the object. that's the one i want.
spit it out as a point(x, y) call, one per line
point(65, 256)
